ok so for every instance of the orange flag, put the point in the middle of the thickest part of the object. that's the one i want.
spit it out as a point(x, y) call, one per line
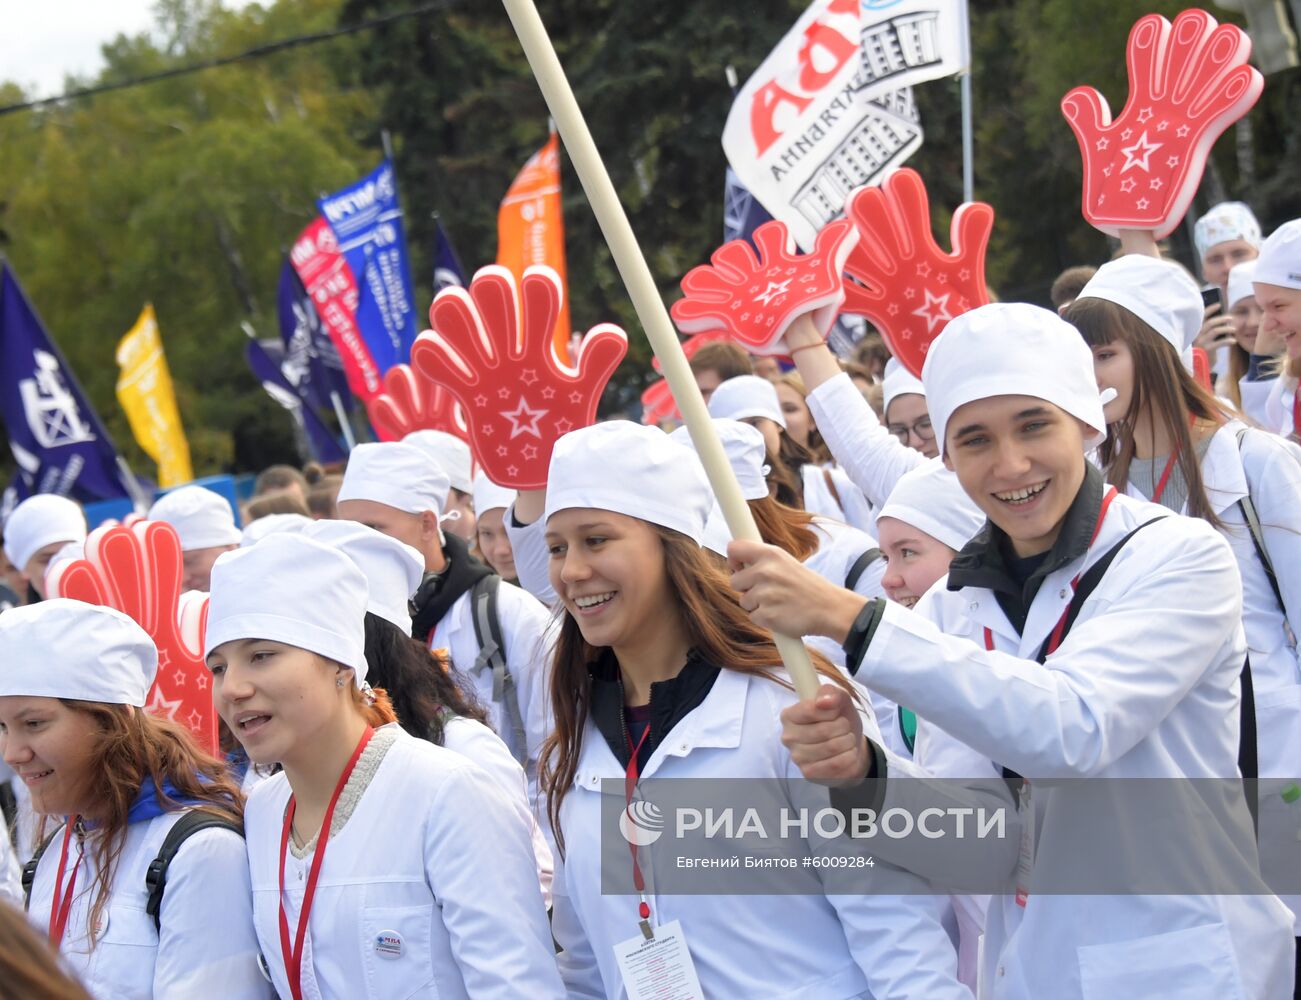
point(531, 227)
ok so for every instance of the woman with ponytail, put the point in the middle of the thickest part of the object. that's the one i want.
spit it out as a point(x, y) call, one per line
point(73, 684)
point(426, 862)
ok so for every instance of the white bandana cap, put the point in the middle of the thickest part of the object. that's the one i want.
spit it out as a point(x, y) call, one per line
point(1229, 220)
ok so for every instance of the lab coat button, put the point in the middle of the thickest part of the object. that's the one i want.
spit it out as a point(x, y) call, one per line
point(1063, 594)
point(683, 748)
point(975, 606)
point(1000, 970)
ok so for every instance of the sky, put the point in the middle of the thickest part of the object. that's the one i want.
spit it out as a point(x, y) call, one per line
point(41, 41)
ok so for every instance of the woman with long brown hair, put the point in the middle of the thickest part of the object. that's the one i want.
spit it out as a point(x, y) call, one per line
point(1170, 441)
point(29, 967)
point(73, 681)
point(658, 673)
point(429, 888)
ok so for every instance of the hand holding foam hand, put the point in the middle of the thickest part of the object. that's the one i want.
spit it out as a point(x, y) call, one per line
point(1188, 82)
point(136, 568)
point(411, 402)
point(492, 347)
point(756, 299)
point(903, 282)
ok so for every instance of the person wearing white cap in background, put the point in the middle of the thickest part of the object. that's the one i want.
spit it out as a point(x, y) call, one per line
point(453, 457)
point(1226, 235)
point(659, 674)
point(394, 488)
point(1144, 682)
point(73, 684)
point(382, 865)
point(1277, 282)
point(36, 530)
point(428, 701)
point(1253, 360)
point(490, 505)
point(795, 477)
point(273, 524)
point(205, 524)
point(905, 409)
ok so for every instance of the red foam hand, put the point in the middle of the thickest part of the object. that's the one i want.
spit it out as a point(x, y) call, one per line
point(137, 570)
point(1202, 369)
point(756, 299)
point(1188, 82)
point(903, 282)
point(492, 347)
point(658, 404)
point(411, 402)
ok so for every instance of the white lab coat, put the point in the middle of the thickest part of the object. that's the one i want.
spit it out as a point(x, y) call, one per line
point(1270, 468)
point(797, 946)
point(872, 457)
point(846, 504)
point(1278, 407)
point(529, 545)
point(480, 744)
point(207, 935)
point(1121, 698)
point(432, 857)
point(524, 626)
point(1255, 399)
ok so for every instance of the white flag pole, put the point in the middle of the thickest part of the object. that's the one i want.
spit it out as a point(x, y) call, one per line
point(968, 151)
point(645, 298)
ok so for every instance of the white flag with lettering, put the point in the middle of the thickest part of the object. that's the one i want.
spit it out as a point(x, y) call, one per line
point(831, 108)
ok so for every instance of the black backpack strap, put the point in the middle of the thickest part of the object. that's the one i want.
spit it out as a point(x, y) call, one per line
point(1258, 537)
point(860, 564)
point(186, 827)
point(29, 869)
point(492, 655)
point(1247, 758)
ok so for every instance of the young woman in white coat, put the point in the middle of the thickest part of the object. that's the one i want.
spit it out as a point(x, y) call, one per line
point(1277, 281)
point(1143, 684)
point(1170, 442)
point(73, 685)
point(382, 865)
point(659, 675)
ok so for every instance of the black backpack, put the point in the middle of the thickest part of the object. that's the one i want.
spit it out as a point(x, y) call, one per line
point(156, 876)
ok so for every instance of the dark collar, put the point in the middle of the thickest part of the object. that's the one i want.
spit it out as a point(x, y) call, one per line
point(983, 560)
point(439, 591)
point(671, 701)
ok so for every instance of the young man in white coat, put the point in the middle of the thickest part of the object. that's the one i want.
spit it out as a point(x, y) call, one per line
point(396, 489)
point(1143, 684)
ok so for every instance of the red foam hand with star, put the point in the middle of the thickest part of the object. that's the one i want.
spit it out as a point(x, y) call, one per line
point(901, 280)
point(136, 569)
point(657, 402)
point(1188, 82)
point(492, 347)
point(410, 402)
point(756, 298)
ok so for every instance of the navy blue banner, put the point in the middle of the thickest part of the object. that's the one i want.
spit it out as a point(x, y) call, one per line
point(367, 220)
point(56, 438)
point(324, 446)
point(447, 265)
point(311, 364)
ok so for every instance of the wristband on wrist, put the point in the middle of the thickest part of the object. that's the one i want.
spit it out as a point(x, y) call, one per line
point(861, 632)
point(792, 351)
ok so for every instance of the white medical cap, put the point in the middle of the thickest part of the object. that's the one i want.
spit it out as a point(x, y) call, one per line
point(203, 519)
point(489, 496)
point(930, 499)
point(1279, 262)
point(397, 475)
point(451, 454)
point(274, 524)
point(745, 450)
point(898, 381)
point(747, 396)
point(40, 521)
point(393, 569)
point(1159, 292)
point(1241, 277)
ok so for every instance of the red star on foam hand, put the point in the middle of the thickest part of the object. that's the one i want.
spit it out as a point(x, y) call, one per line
point(410, 402)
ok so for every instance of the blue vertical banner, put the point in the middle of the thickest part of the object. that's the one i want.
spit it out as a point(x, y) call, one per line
point(742, 213)
point(448, 271)
point(324, 446)
point(312, 364)
point(57, 440)
point(367, 220)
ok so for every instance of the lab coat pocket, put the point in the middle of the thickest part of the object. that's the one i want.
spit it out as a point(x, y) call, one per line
point(125, 956)
point(398, 952)
point(1197, 963)
point(1278, 731)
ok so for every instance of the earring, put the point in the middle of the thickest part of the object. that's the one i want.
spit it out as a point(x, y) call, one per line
point(340, 682)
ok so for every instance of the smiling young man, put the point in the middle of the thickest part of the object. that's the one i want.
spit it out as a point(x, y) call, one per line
point(1144, 683)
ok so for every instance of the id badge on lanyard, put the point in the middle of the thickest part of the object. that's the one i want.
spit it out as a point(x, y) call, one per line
point(1025, 856)
point(655, 963)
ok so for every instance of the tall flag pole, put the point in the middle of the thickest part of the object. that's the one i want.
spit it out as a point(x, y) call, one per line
point(448, 271)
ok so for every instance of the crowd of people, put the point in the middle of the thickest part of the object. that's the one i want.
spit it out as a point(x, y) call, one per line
point(1058, 554)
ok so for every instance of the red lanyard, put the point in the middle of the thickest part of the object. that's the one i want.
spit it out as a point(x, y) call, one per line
point(293, 956)
point(1165, 478)
point(630, 786)
point(62, 904)
point(1059, 629)
point(1296, 412)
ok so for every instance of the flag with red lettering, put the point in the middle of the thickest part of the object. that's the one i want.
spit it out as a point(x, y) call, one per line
point(333, 287)
point(832, 109)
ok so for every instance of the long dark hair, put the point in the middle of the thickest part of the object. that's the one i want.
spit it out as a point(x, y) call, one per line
point(717, 627)
point(1164, 391)
point(133, 747)
point(420, 685)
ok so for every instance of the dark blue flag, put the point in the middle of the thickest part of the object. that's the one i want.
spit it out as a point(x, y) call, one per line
point(742, 213)
point(447, 265)
point(324, 446)
point(56, 438)
point(367, 220)
point(311, 363)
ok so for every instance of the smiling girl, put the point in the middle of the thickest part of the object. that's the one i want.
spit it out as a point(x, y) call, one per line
point(73, 681)
point(426, 862)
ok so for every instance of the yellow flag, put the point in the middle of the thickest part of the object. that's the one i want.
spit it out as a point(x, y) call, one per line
point(144, 388)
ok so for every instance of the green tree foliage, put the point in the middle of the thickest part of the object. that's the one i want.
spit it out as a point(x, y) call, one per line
point(186, 192)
